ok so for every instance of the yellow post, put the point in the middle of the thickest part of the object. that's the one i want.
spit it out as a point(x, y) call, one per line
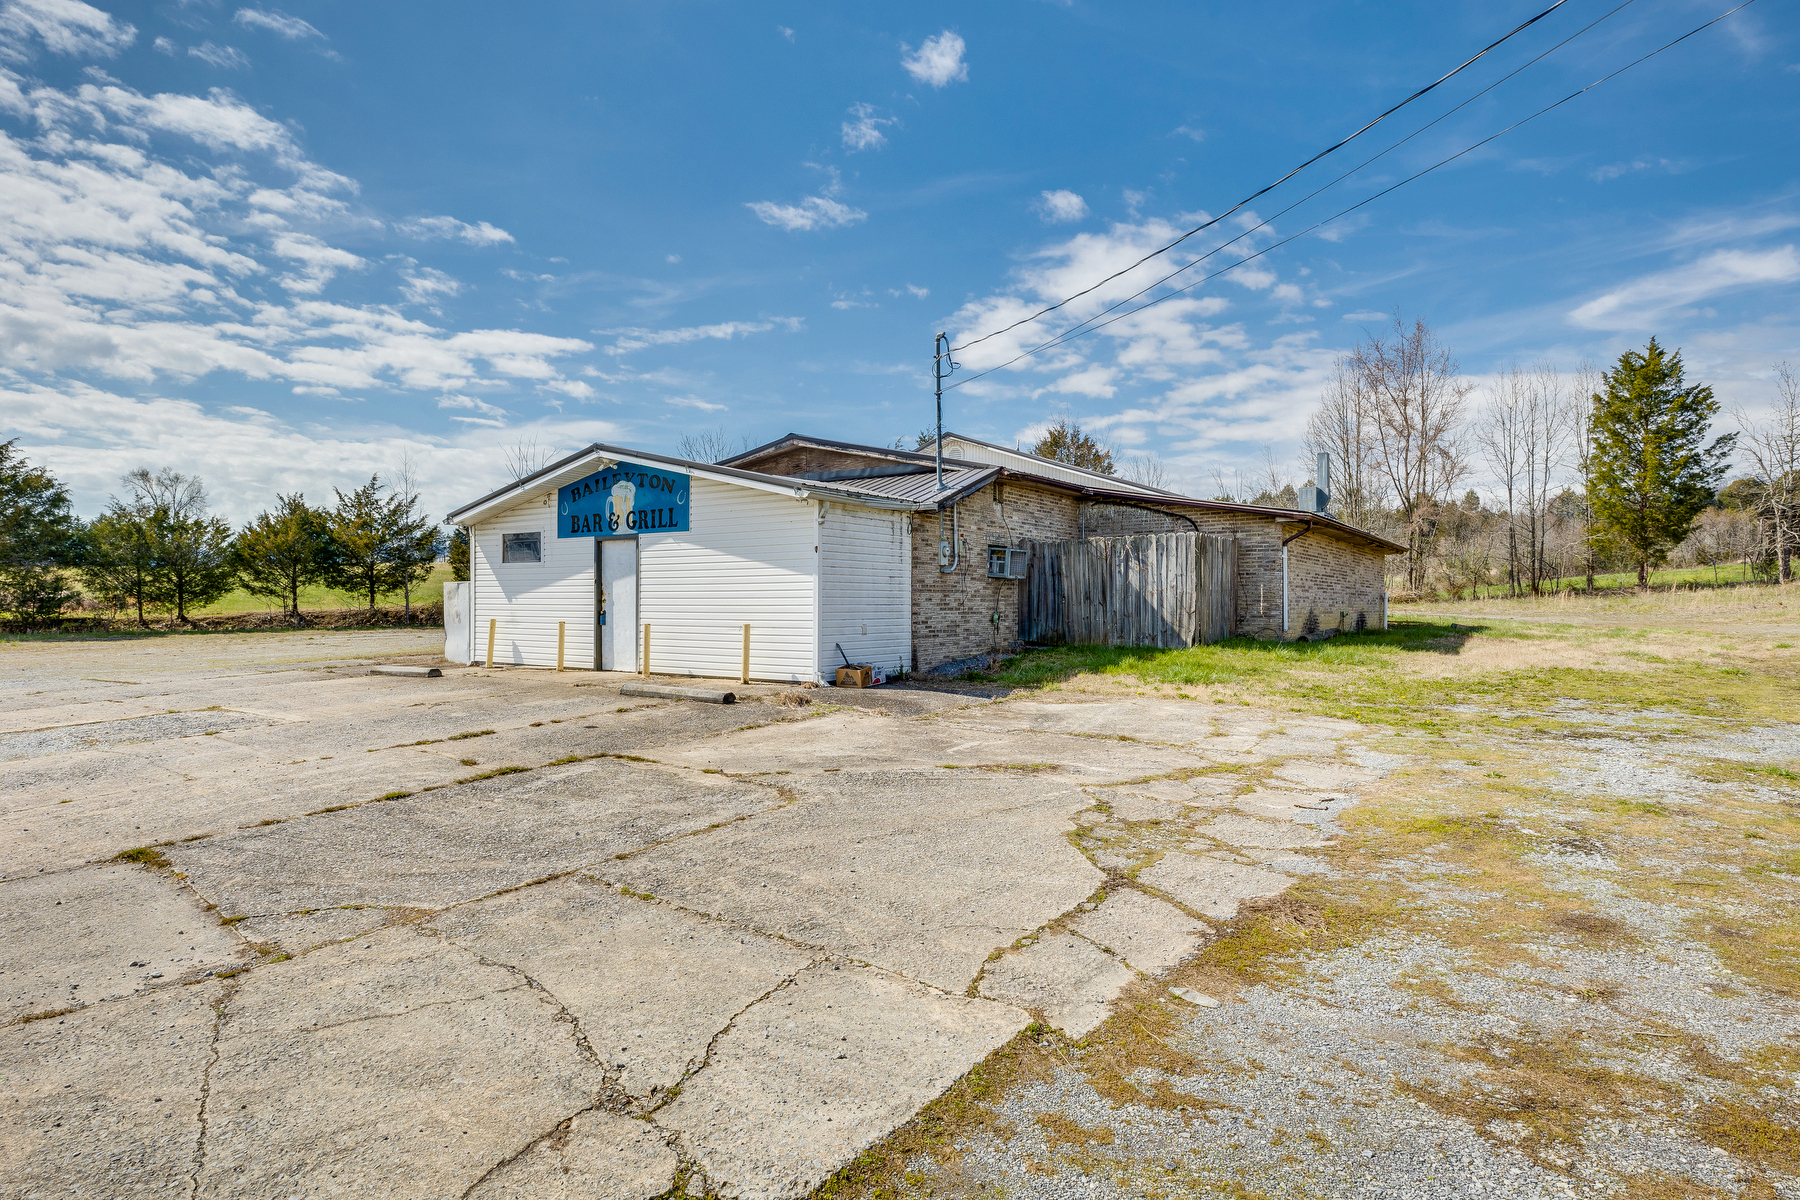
point(744, 676)
point(492, 621)
point(646, 649)
point(562, 628)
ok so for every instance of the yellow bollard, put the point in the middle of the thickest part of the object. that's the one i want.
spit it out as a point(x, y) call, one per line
point(492, 621)
point(562, 627)
point(646, 650)
point(744, 675)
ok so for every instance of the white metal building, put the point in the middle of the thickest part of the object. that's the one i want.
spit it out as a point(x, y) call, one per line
point(588, 553)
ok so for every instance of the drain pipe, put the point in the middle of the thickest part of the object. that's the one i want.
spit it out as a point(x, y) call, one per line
point(1306, 528)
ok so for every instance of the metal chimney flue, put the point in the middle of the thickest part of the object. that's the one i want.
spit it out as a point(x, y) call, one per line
point(1314, 498)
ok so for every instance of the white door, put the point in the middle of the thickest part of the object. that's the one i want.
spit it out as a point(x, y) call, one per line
point(618, 604)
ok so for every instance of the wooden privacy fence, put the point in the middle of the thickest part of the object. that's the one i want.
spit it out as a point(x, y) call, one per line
point(1154, 589)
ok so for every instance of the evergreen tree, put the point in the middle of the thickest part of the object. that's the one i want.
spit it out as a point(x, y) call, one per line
point(283, 551)
point(194, 562)
point(1065, 442)
point(1652, 471)
point(39, 536)
point(359, 530)
point(411, 543)
point(459, 554)
point(118, 562)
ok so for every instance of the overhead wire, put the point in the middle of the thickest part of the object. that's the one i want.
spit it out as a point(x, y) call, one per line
point(1264, 190)
point(1089, 328)
point(1078, 328)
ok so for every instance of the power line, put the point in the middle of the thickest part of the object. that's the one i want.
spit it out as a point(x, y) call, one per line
point(1252, 196)
point(1089, 328)
point(1077, 328)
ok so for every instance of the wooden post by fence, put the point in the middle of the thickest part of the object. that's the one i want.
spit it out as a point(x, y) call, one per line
point(492, 622)
point(646, 649)
point(744, 675)
point(562, 628)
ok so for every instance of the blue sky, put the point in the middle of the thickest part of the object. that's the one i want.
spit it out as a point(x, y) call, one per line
point(288, 247)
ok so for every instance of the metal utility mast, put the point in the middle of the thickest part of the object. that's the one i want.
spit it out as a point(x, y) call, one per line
point(941, 366)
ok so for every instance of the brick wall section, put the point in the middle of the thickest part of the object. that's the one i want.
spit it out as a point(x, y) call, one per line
point(804, 460)
point(1335, 581)
point(953, 613)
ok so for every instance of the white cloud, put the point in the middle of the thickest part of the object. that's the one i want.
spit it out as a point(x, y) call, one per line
point(228, 58)
point(911, 289)
point(639, 339)
point(450, 229)
point(864, 131)
point(277, 22)
point(938, 62)
point(1617, 170)
point(671, 258)
point(1365, 315)
point(785, 32)
point(470, 402)
point(319, 262)
point(1642, 301)
point(89, 438)
point(63, 27)
point(847, 300)
point(1094, 382)
point(814, 212)
point(1061, 205)
point(163, 45)
point(696, 402)
point(1188, 131)
point(427, 285)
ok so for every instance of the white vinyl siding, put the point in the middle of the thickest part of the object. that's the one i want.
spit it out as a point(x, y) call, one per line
point(865, 589)
point(527, 599)
point(748, 557)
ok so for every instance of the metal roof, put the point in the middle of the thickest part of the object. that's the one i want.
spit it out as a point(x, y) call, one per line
point(918, 492)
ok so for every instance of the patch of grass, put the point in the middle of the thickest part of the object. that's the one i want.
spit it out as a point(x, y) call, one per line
point(383, 796)
point(1768, 1135)
point(965, 1110)
point(460, 737)
point(494, 773)
point(47, 1014)
point(1060, 1131)
point(148, 856)
point(1027, 767)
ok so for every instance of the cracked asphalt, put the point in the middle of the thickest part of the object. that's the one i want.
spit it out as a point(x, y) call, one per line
point(512, 934)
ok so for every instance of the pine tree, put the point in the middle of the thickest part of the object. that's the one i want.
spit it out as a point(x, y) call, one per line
point(189, 553)
point(118, 564)
point(283, 551)
point(411, 543)
point(1652, 472)
point(359, 527)
point(459, 554)
point(39, 536)
point(1065, 442)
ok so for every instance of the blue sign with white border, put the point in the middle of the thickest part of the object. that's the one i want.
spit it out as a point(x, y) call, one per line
point(623, 500)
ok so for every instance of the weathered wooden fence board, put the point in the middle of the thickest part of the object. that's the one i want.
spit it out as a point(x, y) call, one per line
point(1153, 589)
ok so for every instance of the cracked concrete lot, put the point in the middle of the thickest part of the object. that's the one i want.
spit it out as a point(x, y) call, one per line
point(512, 934)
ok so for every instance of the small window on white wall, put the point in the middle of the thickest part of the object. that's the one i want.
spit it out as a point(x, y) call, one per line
point(521, 547)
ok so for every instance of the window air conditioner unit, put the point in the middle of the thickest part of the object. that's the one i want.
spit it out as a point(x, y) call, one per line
point(1007, 562)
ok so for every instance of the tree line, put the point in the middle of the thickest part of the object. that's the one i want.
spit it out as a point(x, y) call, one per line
point(156, 548)
point(1592, 470)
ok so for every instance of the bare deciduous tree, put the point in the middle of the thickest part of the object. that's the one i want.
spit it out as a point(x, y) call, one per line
point(1773, 447)
point(525, 457)
point(710, 445)
point(1148, 470)
point(1417, 397)
point(1500, 434)
point(1343, 426)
